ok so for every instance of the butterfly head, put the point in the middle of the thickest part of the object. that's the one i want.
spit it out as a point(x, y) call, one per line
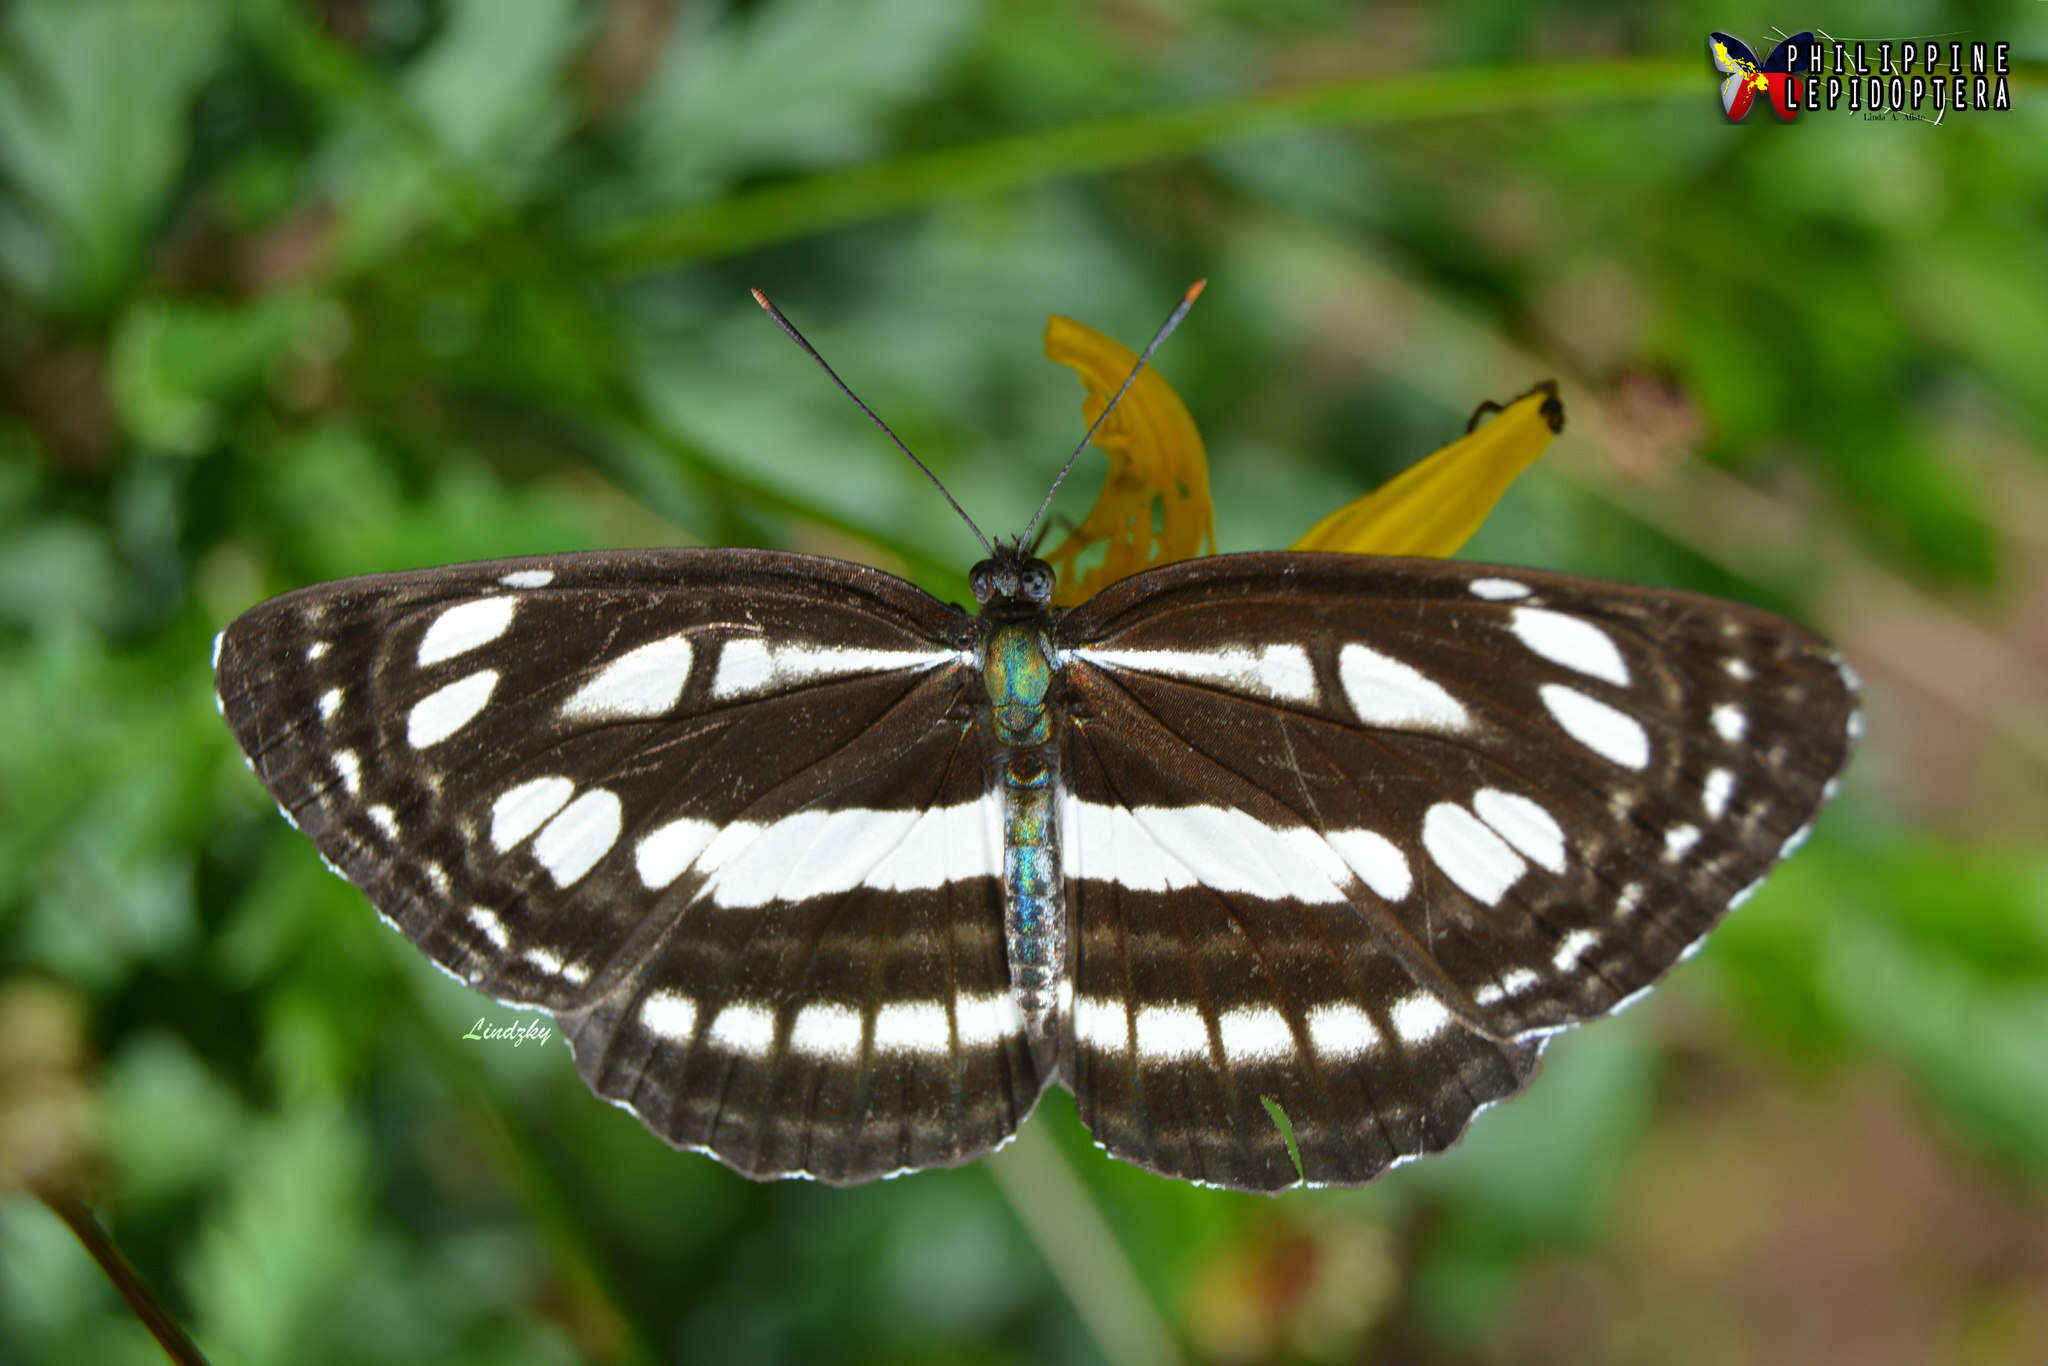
point(1011, 580)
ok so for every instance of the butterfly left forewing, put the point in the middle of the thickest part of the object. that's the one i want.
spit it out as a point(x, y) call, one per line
point(1388, 824)
point(649, 791)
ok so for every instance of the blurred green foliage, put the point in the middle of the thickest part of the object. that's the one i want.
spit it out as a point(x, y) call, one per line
point(290, 292)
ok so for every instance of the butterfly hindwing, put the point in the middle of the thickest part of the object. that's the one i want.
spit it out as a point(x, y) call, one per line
point(723, 813)
point(1357, 834)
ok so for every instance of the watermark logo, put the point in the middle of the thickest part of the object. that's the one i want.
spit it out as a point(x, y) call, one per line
point(1909, 78)
point(1774, 76)
point(515, 1033)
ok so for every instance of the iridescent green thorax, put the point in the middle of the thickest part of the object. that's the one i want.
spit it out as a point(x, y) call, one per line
point(1017, 669)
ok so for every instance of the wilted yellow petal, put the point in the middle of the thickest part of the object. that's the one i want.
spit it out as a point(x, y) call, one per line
point(1432, 508)
point(1154, 508)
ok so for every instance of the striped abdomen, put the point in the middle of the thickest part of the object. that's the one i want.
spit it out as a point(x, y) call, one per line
point(1017, 669)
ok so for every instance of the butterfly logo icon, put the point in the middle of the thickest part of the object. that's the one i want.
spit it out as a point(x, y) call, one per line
point(1746, 76)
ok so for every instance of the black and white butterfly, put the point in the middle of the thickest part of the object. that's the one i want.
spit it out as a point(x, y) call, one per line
point(774, 839)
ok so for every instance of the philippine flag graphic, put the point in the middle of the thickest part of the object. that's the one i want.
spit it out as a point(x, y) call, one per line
point(1788, 60)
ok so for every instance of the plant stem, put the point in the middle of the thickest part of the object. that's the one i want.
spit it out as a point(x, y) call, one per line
point(118, 1269)
point(836, 198)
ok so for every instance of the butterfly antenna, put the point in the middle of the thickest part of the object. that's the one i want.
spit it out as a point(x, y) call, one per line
point(789, 329)
point(1180, 310)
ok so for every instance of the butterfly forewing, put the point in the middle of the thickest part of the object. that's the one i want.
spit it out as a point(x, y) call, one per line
point(723, 812)
point(1357, 834)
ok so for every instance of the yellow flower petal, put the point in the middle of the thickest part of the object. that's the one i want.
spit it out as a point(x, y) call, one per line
point(1154, 508)
point(1432, 508)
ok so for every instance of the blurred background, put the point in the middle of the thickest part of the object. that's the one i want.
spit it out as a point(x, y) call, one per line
point(294, 291)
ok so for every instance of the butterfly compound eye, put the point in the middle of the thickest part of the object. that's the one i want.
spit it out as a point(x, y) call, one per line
point(1036, 581)
point(981, 581)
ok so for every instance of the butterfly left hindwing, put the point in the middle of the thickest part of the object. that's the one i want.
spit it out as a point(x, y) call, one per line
point(723, 813)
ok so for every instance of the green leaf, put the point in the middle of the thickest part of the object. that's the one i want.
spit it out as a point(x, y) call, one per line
point(178, 367)
point(1286, 1128)
point(802, 84)
point(95, 100)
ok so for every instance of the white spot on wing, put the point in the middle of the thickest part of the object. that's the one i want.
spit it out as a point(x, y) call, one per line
point(1739, 670)
point(490, 926)
point(1101, 1022)
point(1735, 902)
point(528, 578)
point(817, 853)
point(330, 703)
point(988, 1019)
point(1524, 824)
point(669, 1014)
point(1714, 793)
point(1612, 734)
point(384, 818)
point(1571, 641)
point(315, 650)
point(1378, 862)
point(1572, 948)
point(1342, 1030)
point(912, 1027)
point(1420, 1018)
point(1277, 671)
point(1469, 853)
point(580, 834)
point(1794, 840)
point(525, 808)
point(644, 681)
point(823, 1030)
point(749, 665)
point(218, 637)
point(742, 1028)
point(444, 711)
point(350, 768)
point(1679, 840)
point(1171, 1033)
point(1498, 590)
point(1163, 848)
point(1386, 692)
point(1255, 1034)
point(463, 627)
point(663, 854)
point(1729, 722)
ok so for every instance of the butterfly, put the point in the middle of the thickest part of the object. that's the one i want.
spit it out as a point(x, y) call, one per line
point(1746, 75)
point(827, 877)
